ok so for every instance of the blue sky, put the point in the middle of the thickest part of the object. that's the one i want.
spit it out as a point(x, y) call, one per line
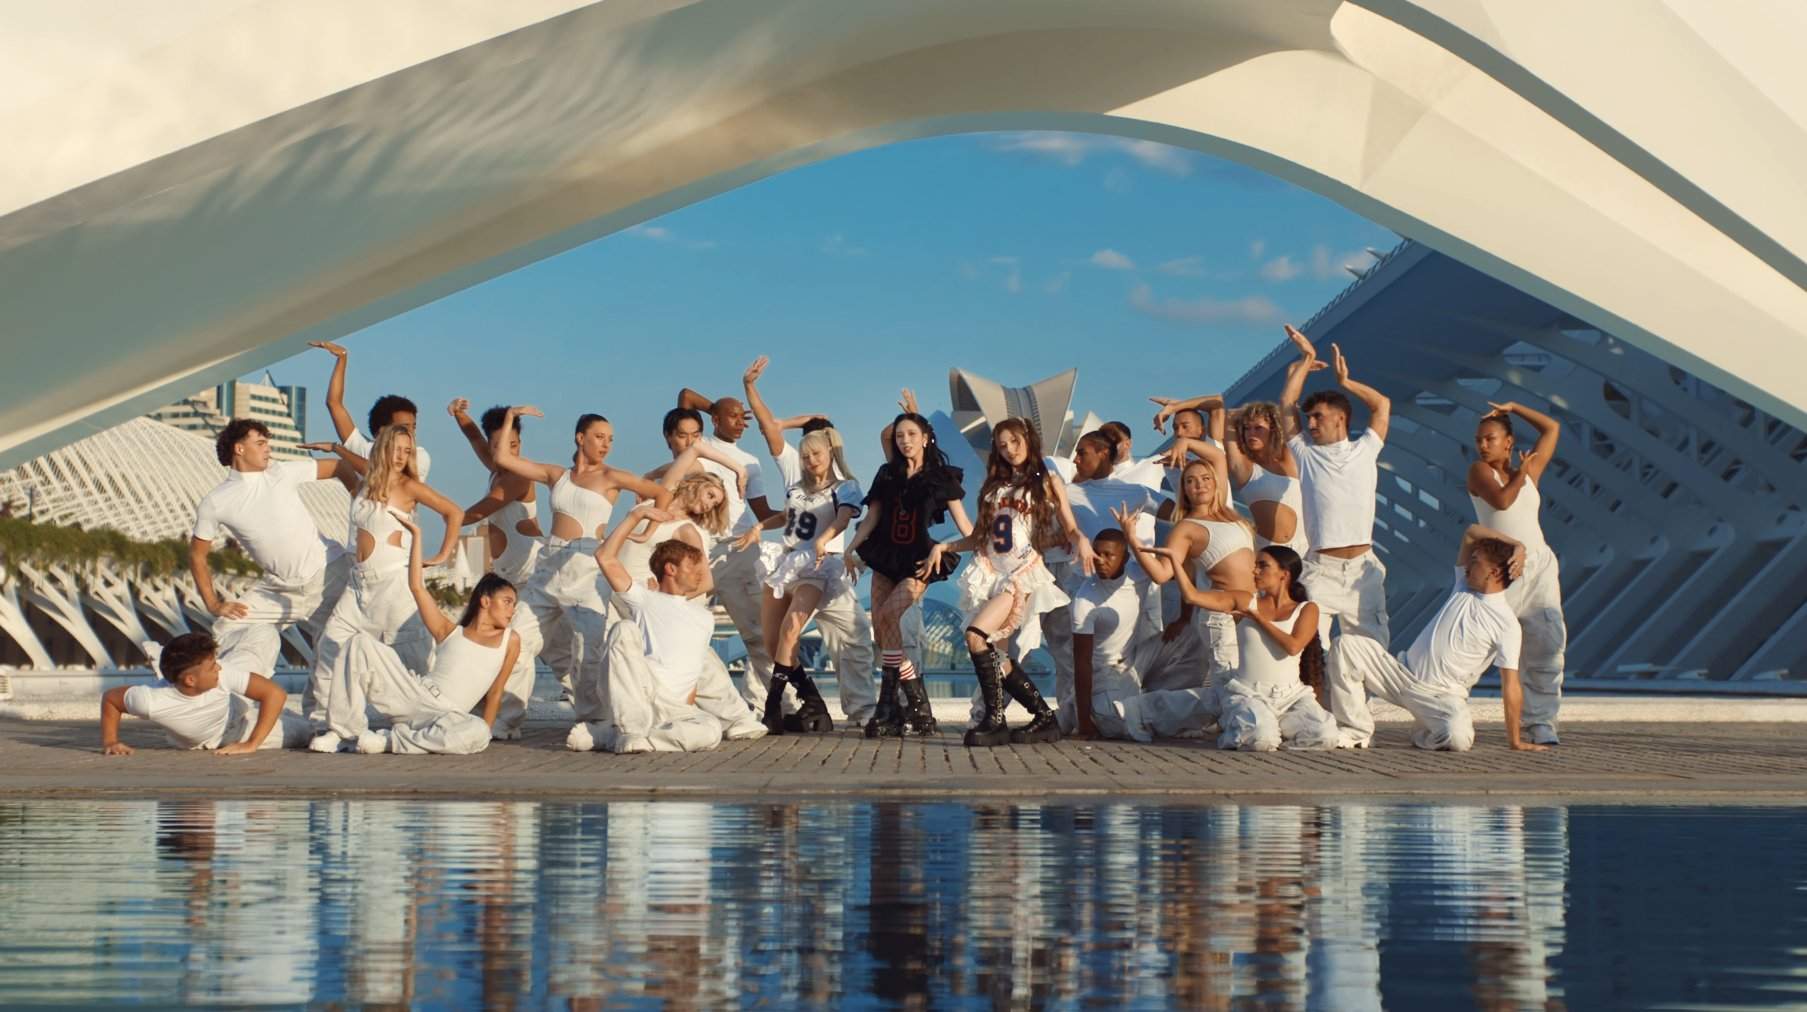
point(1153, 269)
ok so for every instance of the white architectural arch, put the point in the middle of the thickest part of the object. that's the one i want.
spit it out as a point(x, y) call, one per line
point(194, 190)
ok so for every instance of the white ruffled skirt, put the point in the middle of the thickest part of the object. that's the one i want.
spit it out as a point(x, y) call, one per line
point(1036, 592)
point(782, 570)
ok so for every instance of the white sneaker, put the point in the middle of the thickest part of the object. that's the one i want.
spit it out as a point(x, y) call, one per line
point(373, 742)
point(580, 739)
point(325, 741)
point(510, 734)
point(1345, 739)
point(1542, 734)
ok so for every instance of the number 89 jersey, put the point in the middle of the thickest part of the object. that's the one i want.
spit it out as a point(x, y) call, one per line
point(1010, 541)
point(808, 514)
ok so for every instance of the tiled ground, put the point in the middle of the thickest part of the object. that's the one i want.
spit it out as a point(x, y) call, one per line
point(1600, 761)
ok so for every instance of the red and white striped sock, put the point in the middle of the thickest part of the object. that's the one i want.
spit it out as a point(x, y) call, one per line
point(891, 659)
point(906, 670)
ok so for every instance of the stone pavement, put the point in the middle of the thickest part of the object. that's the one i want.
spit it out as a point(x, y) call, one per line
point(1600, 762)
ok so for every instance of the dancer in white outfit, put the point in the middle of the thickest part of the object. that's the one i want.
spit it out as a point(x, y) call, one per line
point(820, 500)
point(1338, 478)
point(513, 528)
point(1270, 701)
point(657, 656)
point(203, 704)
point(1006, 588)
point(564, 587)
point(1474, 628)
point(376, 601)
point(430, 713)
point(259, 506)
point(1507, 499)
point(387, 410)
point(1107, 608)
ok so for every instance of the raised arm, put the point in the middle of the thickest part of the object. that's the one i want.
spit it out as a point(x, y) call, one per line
point(346, 460)
point(644, 491)
point(513, 463)
point(1549, 431)
point(769, 426)
point(688, 398)
point(1156, 562)
point(459, 409)
point(335, 391)
point(1240, 466)
point(1476, 533)
point(1380, 408)
point(1171, 407)
point(430, 614)
point(608, 554)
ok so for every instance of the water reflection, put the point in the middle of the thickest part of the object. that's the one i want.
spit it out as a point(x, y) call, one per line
point(700, 905)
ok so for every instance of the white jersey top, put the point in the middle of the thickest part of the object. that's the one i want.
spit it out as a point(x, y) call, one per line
point(361, 445)
point(1517, 521)
point(676, 632)
point(263, 512)
point(740, 519)
point(637, 556)
point(1262, 662)
point(1271, 486)
point(1470, 631)
point(1107, 610)
point(1010, 543)
point(464, 669)
point(1092, 502)
point(808, 514)
point(1338, 481)
point(190, 721)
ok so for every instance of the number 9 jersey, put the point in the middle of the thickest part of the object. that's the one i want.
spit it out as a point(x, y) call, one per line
point(808, 514)
point(1010, 541)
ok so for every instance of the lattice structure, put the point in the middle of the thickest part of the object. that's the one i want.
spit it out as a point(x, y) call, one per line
point(1676, 509)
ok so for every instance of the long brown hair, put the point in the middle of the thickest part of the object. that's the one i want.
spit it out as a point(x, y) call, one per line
point(1029, 481)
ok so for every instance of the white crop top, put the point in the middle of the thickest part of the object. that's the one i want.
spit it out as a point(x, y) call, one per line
point(1271, 486)
point(1226, 540)
point(591, 509)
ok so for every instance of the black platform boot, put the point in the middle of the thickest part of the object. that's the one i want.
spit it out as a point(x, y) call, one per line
point(992, 730)
point(773, 718)
point(812, 712)
point(887, 720)
point(918, 714)
point(1044, 725)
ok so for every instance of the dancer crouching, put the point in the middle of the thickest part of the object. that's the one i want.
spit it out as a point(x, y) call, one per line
point(1270, 700)
point(202, 704)
point(1006, 588)
point(430, 713)
point(914, 489)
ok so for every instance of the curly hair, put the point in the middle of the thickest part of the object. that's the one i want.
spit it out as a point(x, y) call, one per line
point(689, 494)
point(233, 434)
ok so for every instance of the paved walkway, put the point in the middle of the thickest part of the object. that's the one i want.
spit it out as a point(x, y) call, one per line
point(1722, 763)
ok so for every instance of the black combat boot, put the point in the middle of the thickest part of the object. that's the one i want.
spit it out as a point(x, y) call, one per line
point(812, 713)
point(1044, 725)
point(887, 720)
point(917, 713)
point(773, 718)
point(992, 731)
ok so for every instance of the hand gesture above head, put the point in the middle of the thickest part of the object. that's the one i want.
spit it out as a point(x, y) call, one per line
point(338, 350)
point(754, 371)
point(459, 406)
point(908, 402)
point(1166, 412)
point(529, 411)
point(1341, 364)
point(1301, 342)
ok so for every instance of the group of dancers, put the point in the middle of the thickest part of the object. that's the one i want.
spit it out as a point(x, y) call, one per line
point(1166, 609)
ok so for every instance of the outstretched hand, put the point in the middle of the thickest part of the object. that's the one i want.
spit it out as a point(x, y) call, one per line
point(236, 748)
point(320, 447)
point(1341, 364)
point(529, 411)
point(751, 376)
point(1506, 408)
point(338, 350)
point(908, 402)
point(1126, 521)
point(1166, 412)
point(1301, 342)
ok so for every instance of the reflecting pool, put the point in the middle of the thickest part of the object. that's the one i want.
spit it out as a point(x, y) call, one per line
point(876, 904)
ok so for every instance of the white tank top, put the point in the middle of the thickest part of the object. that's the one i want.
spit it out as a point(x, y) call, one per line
point(589, 508)
point(464, 670)
point(517, 547)
point(1226, 540)
point(1518, 520)
point(373, 518)
point(1270, 486)
point(637, 556)
point(1264, 664)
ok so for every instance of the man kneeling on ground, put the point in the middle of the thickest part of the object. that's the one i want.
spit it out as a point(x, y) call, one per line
point(1474, 628)
point(203, 704)
point(658, 696)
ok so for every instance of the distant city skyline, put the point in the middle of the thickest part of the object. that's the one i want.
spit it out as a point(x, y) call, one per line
point(1016, 256)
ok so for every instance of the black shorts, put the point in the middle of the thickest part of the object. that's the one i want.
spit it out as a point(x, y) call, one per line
point(898, 563)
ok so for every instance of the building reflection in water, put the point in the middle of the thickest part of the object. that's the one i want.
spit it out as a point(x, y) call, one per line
point(688, 905)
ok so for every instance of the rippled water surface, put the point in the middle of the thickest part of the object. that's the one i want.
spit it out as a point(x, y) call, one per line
point(680, 904)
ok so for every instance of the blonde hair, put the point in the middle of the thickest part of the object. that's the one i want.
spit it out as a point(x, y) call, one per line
point(689, 494)
point(381, 478)
point(837, 462)
point(1219, 511)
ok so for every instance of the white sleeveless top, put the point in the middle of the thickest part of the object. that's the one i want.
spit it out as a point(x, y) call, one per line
point(637, 556)
point(1264, 664)
point(517, 548)
point(1226, 540)
point(463, 670)
point(1518, 520)
point(589, 508)
point(373, 518)
point(1270, 486)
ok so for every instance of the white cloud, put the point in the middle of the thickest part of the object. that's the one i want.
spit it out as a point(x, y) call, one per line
point(1248, 309)
point(1280, 268)
point(1256, 248)
point(659, 233)
point(1111, 260)
point(1162, 157)
point(1073, 150)
point(1184, 267)
point(1067, 149)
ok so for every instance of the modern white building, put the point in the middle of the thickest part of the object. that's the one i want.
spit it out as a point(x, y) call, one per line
point(282, 408)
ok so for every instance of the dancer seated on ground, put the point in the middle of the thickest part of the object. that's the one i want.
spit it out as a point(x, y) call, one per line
point(429, 713)
point(1269, 701)
point(203, 704)
point(1106, 608)
point(657, 656)
point(1474, 628)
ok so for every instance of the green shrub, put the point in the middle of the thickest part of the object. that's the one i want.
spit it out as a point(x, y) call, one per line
point(41, 545)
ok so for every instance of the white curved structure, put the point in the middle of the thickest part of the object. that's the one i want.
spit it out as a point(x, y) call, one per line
point(207, 185)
